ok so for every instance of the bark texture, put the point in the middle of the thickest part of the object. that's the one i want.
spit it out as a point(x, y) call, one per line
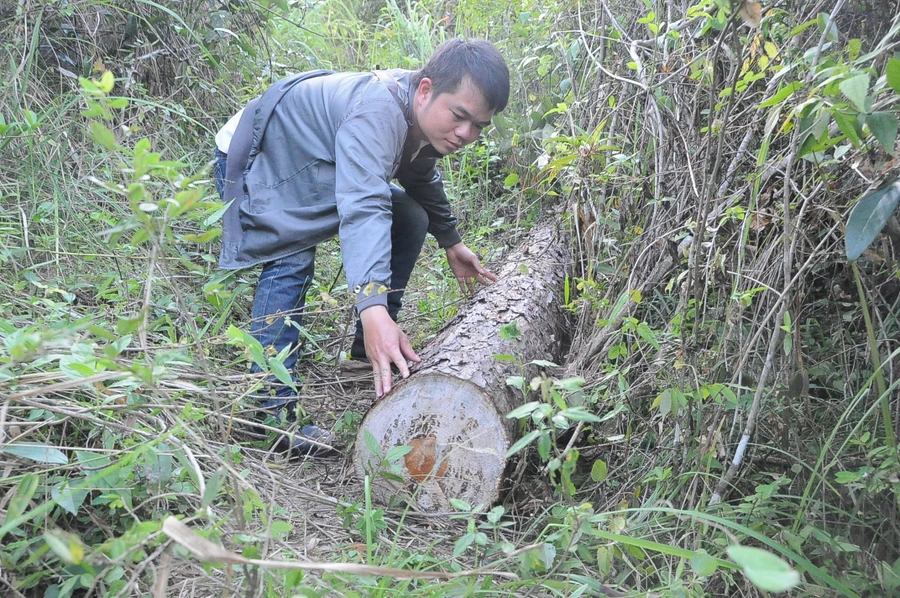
point(452, 410)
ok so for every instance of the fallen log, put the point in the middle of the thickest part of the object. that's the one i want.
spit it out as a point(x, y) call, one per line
point(452, 410)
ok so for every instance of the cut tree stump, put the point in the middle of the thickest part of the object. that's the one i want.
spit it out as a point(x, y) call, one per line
point(452, 410)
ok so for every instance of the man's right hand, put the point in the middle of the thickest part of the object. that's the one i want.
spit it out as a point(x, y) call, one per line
point(385, 344)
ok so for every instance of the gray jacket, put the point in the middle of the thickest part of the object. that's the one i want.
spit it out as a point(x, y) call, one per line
point(324, 148)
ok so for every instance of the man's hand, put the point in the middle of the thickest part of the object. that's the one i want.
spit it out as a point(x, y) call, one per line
point(385, 344)
point(467, 269)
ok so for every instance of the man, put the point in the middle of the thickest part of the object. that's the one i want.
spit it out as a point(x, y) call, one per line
point(314, 157)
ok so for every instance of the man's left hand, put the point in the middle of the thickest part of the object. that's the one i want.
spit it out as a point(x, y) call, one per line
point(467, 269)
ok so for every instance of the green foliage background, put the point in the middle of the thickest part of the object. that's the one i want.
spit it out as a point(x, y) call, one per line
point(708, 161)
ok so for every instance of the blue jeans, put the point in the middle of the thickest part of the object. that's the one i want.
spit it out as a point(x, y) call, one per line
point(283, 283)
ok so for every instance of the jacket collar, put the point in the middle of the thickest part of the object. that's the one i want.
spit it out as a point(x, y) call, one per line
point(406, 94)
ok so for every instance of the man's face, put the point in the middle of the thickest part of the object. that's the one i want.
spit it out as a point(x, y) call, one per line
point(450, 120)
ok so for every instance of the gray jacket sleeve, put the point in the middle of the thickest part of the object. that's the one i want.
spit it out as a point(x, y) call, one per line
point(367, 146)
point(421, 180)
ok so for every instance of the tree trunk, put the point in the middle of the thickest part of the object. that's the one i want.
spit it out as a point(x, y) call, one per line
point(452, 409)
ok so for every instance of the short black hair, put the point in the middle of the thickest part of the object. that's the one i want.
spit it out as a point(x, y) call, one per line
point(477, 59)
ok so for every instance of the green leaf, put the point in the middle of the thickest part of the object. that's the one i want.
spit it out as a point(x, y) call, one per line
point(579, 414)
point(206, 237)
point(35, 451)
point(827, 26)
point(548, 554)
point(213, 487)
point(102, 135)
point(66, 546)
point(522, 443)
point(253, 346)
point(703, 564)
point(217, 215)
point(140, 236)
point(462, 544)
point(801, 28)
point(664, 402)
point(511, 180)
point(648, 335)
point(67, 497)
point(892, 74)
point(18, 504)
point(599, 470)
point(543, 447)
point(503, 357)
point(764, 570)
point(281, 372)
point(280, 528)
point(397, 452)
point(781, 95)
point(891, 575)
point(543, 363)
point(847, 477)
point(516, 382)
point(107, 81)
point(848, 126)
point(617, 308)
point(570, 384)
point(523, 411)
point(884, 127)
point(868, 218)
point(128, 325)
point(372, 443)
point(460, 505)
point(88, 86)
point(856, 88)
point(628, 541)
point(510, 332)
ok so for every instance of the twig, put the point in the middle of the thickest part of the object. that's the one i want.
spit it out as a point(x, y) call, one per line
point(568, 448)
point(68, 384)
point(207, 551)
point(774, 341)
point(815, 60)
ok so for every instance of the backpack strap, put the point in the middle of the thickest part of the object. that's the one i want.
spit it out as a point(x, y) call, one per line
point(394, 88)
point(243, 149)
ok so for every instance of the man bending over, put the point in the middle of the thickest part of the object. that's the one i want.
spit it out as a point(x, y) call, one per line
point(314, 157)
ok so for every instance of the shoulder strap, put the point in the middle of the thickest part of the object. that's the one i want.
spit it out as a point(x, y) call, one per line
point(243, 149)
point(392, 87)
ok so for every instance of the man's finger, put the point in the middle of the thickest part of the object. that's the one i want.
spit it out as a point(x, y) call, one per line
point(484, 272)
point(397, 357)
point(378, 386)
point(407, 350)
point(384, 378)
point(489, 275)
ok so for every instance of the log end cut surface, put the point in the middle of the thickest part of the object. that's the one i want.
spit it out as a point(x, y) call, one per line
point(458, 442)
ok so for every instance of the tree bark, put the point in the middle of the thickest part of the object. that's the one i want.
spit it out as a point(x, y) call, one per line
point(452, 410)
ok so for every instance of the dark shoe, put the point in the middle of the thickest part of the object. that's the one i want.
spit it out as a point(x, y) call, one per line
point(310, 441)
